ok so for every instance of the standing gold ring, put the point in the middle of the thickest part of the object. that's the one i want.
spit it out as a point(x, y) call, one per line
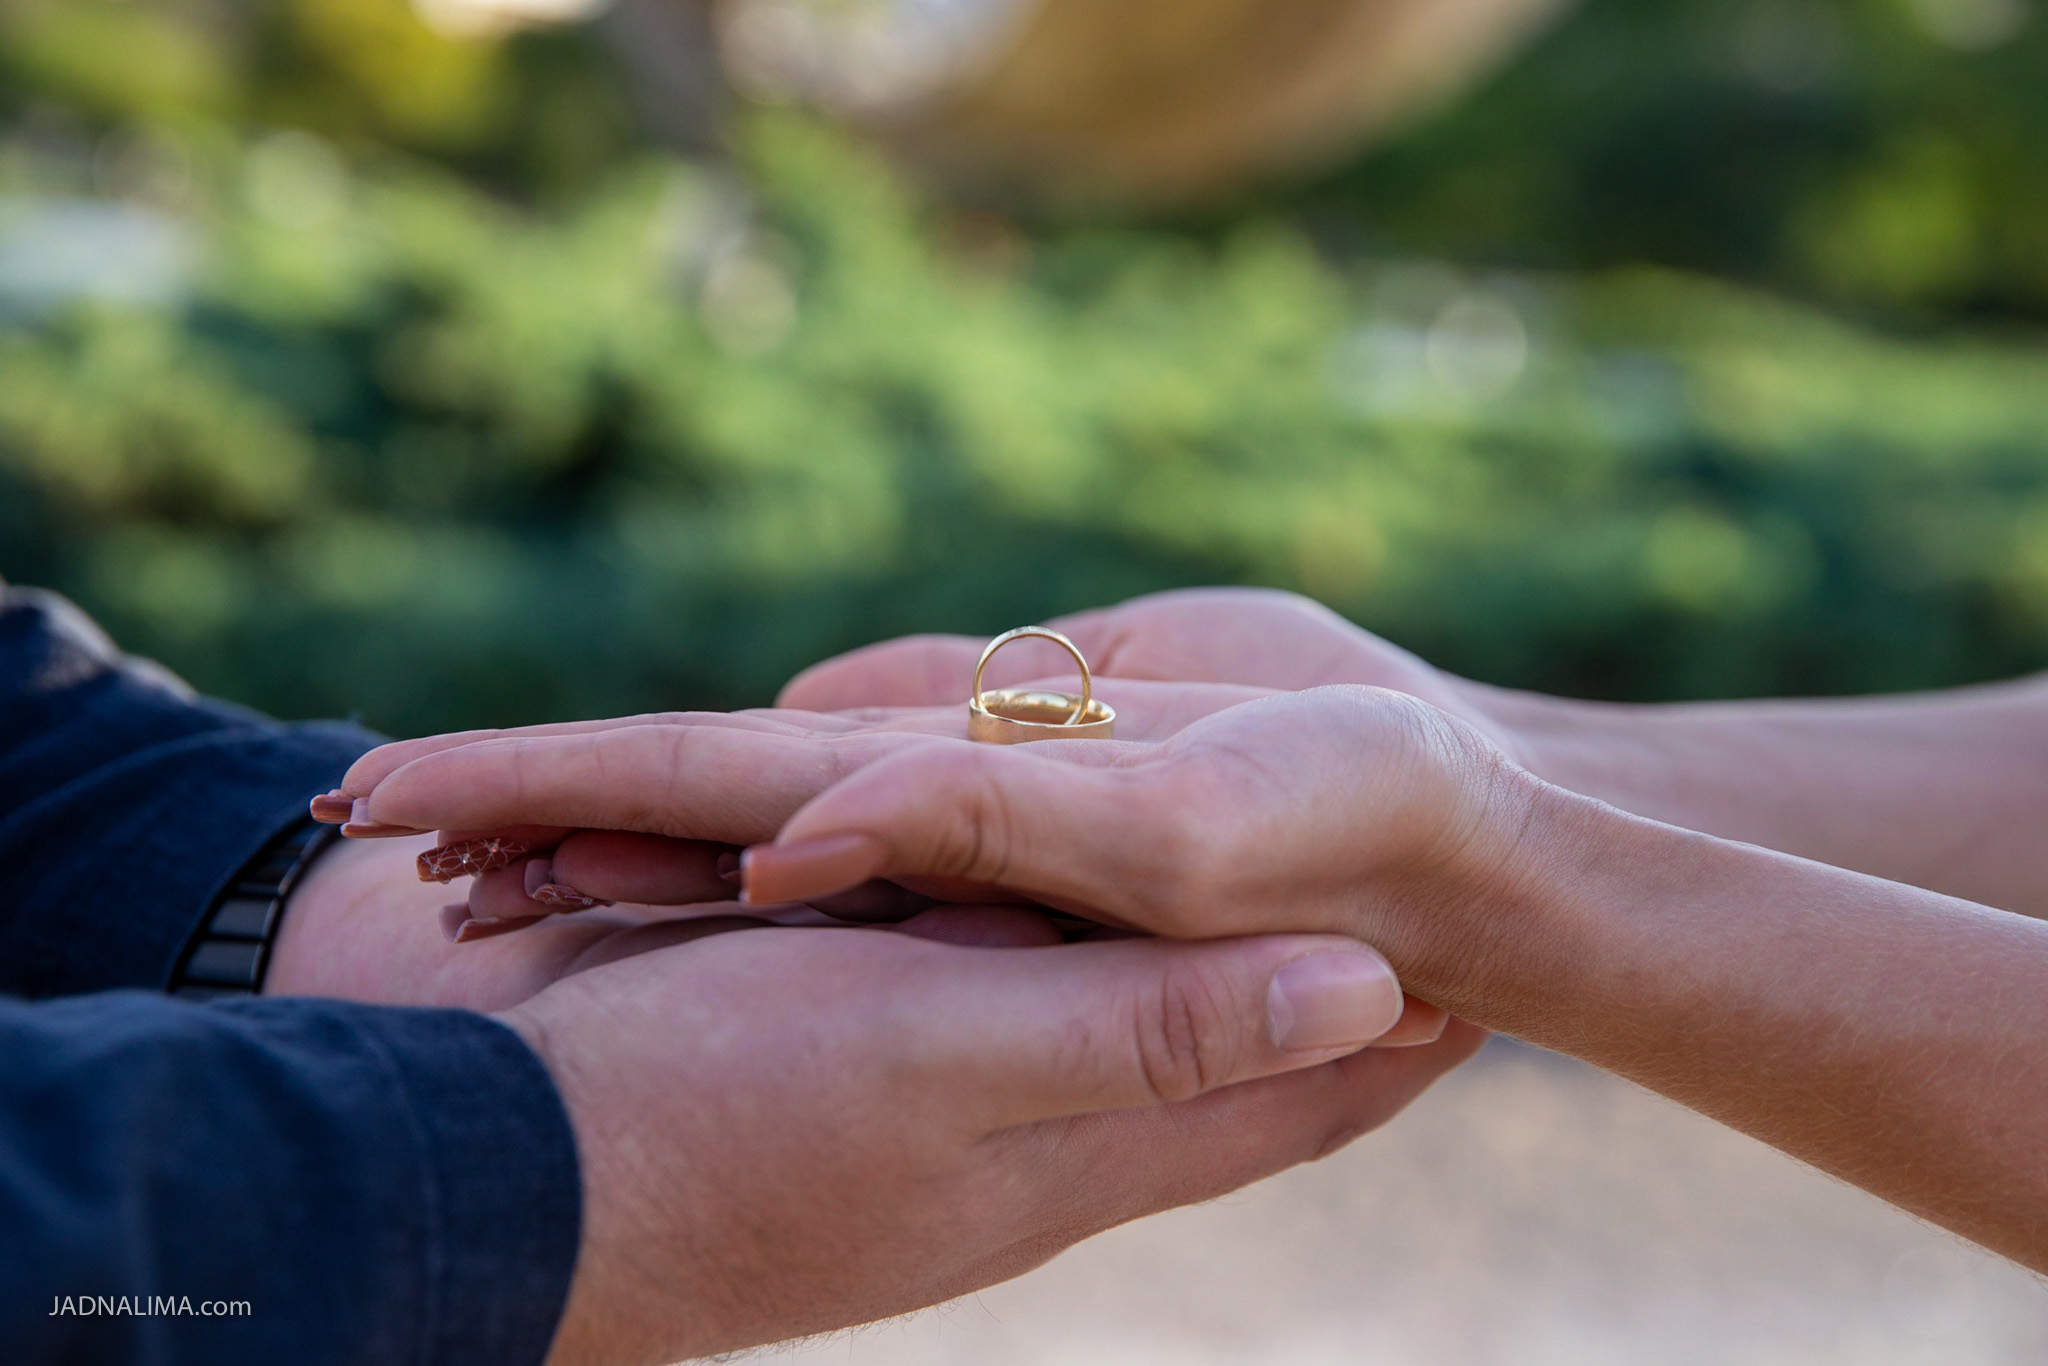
point(1011, 716)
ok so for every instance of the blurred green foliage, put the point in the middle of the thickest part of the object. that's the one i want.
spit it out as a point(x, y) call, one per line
point(1699, 354)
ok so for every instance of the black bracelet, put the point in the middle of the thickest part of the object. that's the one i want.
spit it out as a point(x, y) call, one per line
point(230, 951)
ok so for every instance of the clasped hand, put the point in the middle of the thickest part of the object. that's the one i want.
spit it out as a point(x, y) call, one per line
point(785, 1131)
point(1279, 770)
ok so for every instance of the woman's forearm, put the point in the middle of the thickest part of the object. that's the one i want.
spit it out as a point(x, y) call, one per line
point(1947, 791)
point(1885, 1034)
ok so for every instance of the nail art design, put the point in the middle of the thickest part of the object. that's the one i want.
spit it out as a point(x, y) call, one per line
point(566, 898)
point(542, 887)
point(467, 858)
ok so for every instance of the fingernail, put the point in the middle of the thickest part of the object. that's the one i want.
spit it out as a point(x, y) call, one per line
point(467, 858)
point(1341, 999)
point(471, 930)
point(773, 873)
point(452, 920)
point(542, 887)
point(360, 825)
point(332, 808)
point(1420, 1023)
point(729, 867)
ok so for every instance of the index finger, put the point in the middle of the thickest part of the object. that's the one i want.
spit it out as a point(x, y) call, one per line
point(700, 782)
point(386, 759)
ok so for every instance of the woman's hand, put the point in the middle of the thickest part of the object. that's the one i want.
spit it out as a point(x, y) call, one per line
point(669, 841)
point(1245, 637)
point(677, 782)
point(1330, 809)
point(1354, 810)
point(1942, 790)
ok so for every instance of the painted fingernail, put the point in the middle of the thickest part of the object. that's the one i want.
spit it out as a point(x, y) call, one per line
point(332, 808)
point(729, 867)
point(773, 873)
point(1420, 1023)
point(467, 858)
point(1345, 998)
point(542, 887)
point(360, 825)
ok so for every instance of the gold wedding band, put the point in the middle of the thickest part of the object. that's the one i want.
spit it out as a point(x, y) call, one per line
point(1014, 716)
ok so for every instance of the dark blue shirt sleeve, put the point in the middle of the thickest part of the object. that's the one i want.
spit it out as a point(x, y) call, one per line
point(266, 1180)
point(126, 802)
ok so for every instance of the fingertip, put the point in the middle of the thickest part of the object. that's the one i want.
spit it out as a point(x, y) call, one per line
point(331, 808)
point(361, 825)
point(771, 874)
point(1332, 1000)
point(1420, 1023)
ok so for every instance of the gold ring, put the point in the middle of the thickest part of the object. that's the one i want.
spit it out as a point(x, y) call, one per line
point(1011, 716)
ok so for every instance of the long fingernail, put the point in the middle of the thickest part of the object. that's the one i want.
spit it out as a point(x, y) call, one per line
point(469, 929)
point(332, 808)
point(1420, 1023)
point(360, 825)
point(1344, 998)
point(772, 873)
point(467, 858)
point(542, 887)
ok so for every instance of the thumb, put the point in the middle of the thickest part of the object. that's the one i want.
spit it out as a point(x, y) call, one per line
point(1053, 1032)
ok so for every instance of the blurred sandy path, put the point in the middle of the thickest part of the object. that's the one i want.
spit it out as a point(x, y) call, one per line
point(1528, 1212)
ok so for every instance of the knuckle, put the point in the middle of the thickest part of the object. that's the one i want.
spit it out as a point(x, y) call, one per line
point(1189, 865)
point(980, 843)
point(1183, 1047)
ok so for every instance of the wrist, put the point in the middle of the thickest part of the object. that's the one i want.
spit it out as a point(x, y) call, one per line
point(1595, 934)
point(622, 1294)
point(361, 926)
point(1586, 747)
point(1522, 920)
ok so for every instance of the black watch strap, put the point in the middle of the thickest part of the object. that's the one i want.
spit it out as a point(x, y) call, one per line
point(230, 951)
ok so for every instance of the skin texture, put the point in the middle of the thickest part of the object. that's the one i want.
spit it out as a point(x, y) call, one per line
point(1746, 983)
point(790, 1130)
point(1885, 1033)
point(701, 785)
point(784, 1132)
point(1941, 790)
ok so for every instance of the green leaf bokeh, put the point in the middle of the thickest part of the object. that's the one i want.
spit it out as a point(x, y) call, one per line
point(1671, 364)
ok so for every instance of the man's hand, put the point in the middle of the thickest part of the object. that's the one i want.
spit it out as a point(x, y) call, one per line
point(788, 1131)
